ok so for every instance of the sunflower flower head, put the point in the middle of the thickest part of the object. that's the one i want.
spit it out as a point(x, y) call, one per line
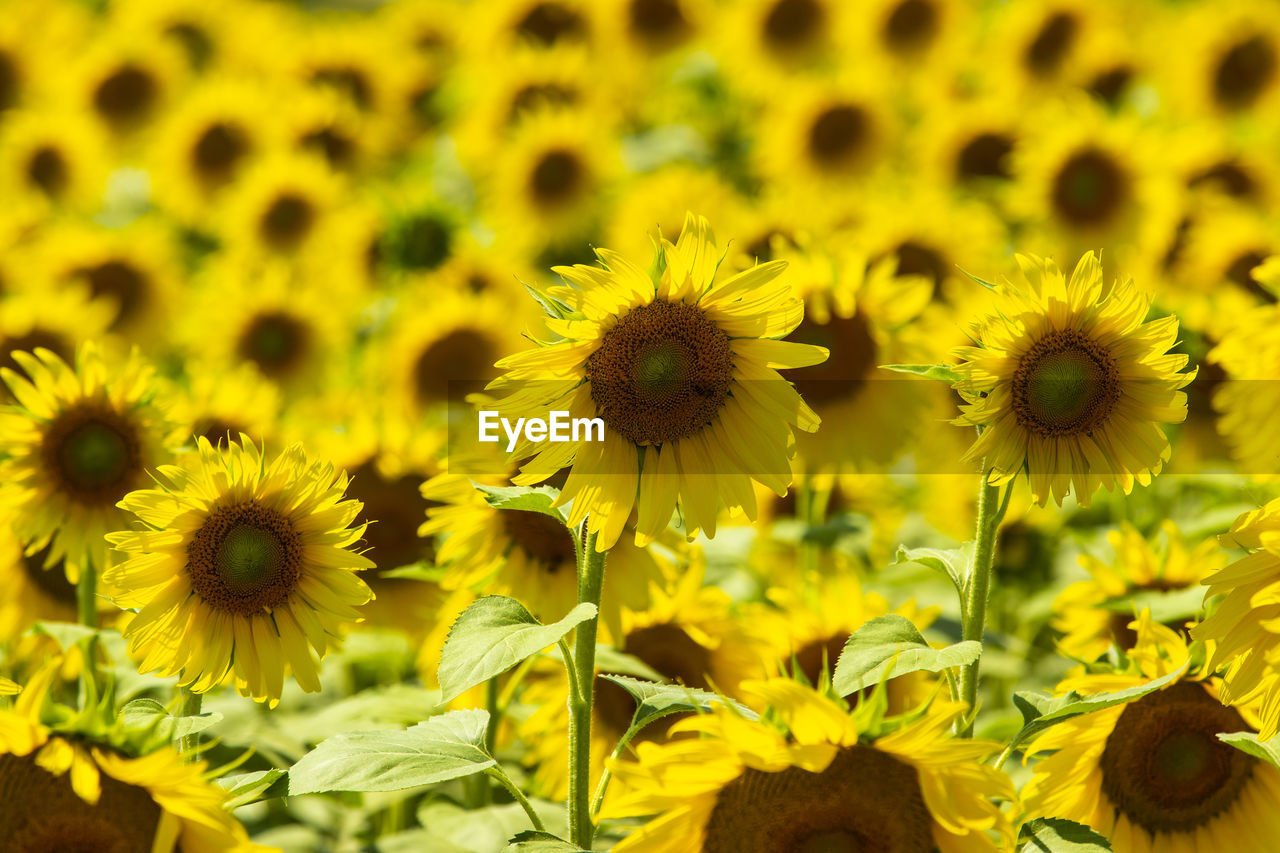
point(241, 569)
point(1067, 382)
point(80, 438)
point(1150, 773)
point(797, 779)
point(681, 365)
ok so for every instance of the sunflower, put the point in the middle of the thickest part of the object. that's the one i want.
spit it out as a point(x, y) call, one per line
point(1069, 382)
point(969, 144)
point(806, 626)
point(1038, 43)
point(862, 314)
point(60, 159)
point(1225, 242)
point(242, 569)
point(269, 317)
point(797, 779)
point(920, 36)
point(765, 42)
point(136, 268)
point(326, 124)
point(545, 186)
point(441, 344)
point(1249, 357)
point(34, 592)
point(1242, 625)
point(206, 143)
point(220, 403)
point(57, 318)
point(75, 790)
point(282, 207)
point(126, 81)
point(660, 200)
point(1150, 773)
point(681, 367)
point(1095, 613)
point(827, 132)
point(1231, 63)
point(1090, 178)
point(688, 634)
point(508, 24)
point(527, 555)
point(651, 29)
point(202, 34)
point(80, 438)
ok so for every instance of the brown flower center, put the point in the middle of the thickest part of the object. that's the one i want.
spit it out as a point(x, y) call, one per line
point(661, 373)
point(1065, 384)
point(851, 363)
point(127, 97)
point(838, 136)
point(558, 178)
point(43, 815)
point(1052, 43)
point(464, 356)
point(658, 23)
point(1244, 72)
point(121, 282)
point(92, 453)
point(351, 82)
point(1090, 189)
point(1164, 768)
point(48, 171)
point(672, 653)
point(245, 559)
point(866, 801)
point(278, 343)
point(29, 342)
point(985, 156)
point(217, 153)
point(10, 81)
point(337, 147)
point(287, 221)
point(794, 25)
point(395, 508)
point(548, 23)
point(541, 537)
point(911, 26)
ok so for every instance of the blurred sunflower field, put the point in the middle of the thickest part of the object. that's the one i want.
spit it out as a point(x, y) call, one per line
point(915, 489)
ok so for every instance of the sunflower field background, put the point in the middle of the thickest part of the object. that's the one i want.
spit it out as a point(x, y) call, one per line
point(935, 502)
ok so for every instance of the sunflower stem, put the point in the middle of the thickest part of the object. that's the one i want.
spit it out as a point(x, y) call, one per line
point(86, 595)
point(590, 583)
point(977, 588)
point(518, 796)
point(189, 706)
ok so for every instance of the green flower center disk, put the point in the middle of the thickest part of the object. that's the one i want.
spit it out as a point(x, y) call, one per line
point(245, 559)
point(661, 373)
point(93, 454)
point(1066, 384)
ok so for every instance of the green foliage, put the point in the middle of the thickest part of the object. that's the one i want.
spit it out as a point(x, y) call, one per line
point(442, 748)
point(889, 646)
point(1055, 835)
point(494, 634)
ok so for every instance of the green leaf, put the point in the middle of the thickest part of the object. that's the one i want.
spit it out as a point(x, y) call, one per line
point(149, 714)
point(446, 747)
point(940, 372)
point(654, 700)
point(1248, 742)
point(419, 571)
point(988, 285)
point(526, 498)
point(532, 841)
point(66, 633)
point(486, 828)
point(494, 634)
point(1041, 711)
point(1056, 835)
point(245, 788)
point(889, 646)
point(952, 562)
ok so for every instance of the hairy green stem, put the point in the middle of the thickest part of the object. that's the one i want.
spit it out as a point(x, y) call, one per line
point(977, 588)
point(517, 795)
point(590, 583)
